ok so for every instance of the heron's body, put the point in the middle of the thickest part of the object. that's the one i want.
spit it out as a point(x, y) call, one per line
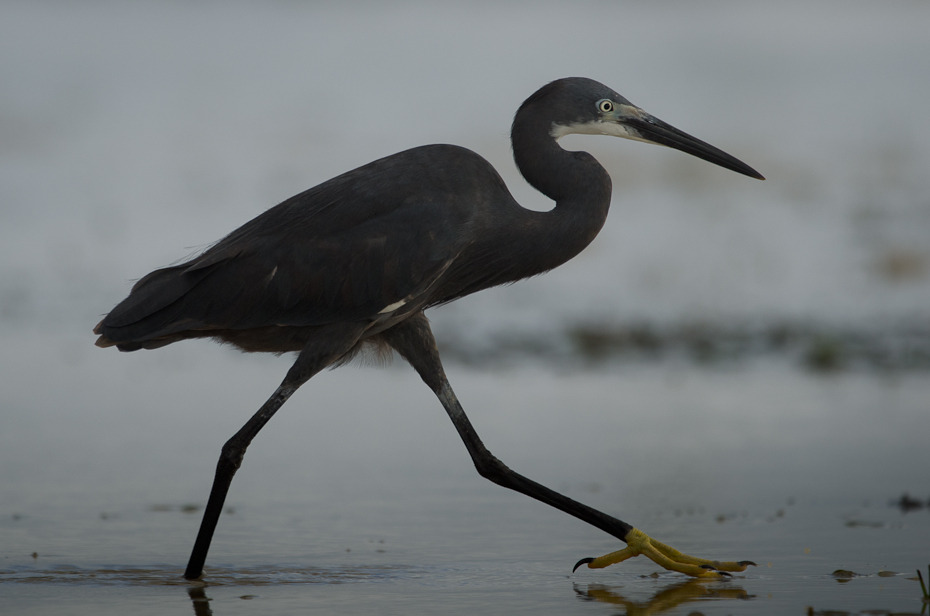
point(358, 259)
point(409, 231)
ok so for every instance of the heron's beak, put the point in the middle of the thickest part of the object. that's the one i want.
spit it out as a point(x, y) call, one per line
point(636, 124)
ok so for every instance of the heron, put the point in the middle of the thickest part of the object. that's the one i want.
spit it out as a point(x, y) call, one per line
point(353, 263)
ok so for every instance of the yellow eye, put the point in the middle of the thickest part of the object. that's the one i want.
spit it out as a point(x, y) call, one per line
point(605, 105)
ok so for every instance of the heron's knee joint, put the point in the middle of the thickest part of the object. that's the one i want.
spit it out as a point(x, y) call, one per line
point(232, 454)
point(491, 468)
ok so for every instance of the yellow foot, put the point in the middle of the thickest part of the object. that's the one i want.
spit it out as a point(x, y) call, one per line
point(639, 542)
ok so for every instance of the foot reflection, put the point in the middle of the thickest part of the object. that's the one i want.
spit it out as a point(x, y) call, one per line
point(667, 598)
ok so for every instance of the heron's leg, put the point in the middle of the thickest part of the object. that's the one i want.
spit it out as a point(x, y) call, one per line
point(323, 350)
point(414, 341)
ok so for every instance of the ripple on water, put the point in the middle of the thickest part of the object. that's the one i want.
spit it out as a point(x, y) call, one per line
point(217, 576)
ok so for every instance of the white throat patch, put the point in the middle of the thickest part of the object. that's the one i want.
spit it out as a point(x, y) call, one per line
point(612, 129)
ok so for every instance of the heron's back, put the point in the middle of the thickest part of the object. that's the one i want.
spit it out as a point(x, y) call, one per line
point(343, 250)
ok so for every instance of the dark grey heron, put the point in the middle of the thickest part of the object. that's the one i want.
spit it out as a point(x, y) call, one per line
point(355, 261)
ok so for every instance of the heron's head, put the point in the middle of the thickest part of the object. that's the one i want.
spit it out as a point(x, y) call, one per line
point(578, 105)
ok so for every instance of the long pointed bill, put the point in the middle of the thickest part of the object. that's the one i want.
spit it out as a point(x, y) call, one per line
point(642, 126)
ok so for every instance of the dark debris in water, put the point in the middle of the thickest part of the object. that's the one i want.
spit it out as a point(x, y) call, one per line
point(864, 524)
point(906, 503)
point(844, 575)
point(183, 508)
point(818, 348)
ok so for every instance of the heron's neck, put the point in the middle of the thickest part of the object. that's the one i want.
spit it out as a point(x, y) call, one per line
point(578, 184)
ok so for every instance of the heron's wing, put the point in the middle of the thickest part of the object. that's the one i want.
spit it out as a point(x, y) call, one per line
point(355, 274)
point(344, 250)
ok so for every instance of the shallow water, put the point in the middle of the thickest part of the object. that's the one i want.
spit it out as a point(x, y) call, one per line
point(738, 368)
point(344, 505)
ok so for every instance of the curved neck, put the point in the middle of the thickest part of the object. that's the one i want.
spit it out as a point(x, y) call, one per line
point(578, 184)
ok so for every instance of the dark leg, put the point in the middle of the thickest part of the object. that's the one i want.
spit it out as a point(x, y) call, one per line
point(414, 340)
point(229, 462)
point(325, 349)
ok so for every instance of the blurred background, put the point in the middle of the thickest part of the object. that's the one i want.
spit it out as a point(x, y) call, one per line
point(134, 134)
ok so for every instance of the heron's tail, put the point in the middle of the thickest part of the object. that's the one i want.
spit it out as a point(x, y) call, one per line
point(149, 318)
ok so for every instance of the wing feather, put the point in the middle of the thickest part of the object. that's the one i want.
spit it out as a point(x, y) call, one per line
point(343, 250)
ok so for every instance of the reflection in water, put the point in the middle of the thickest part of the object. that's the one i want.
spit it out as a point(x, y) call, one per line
point(665, 599)
point(201, 601)
point(216, 576)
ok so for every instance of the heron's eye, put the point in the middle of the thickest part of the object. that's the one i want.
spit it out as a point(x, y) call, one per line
point(605, 105)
